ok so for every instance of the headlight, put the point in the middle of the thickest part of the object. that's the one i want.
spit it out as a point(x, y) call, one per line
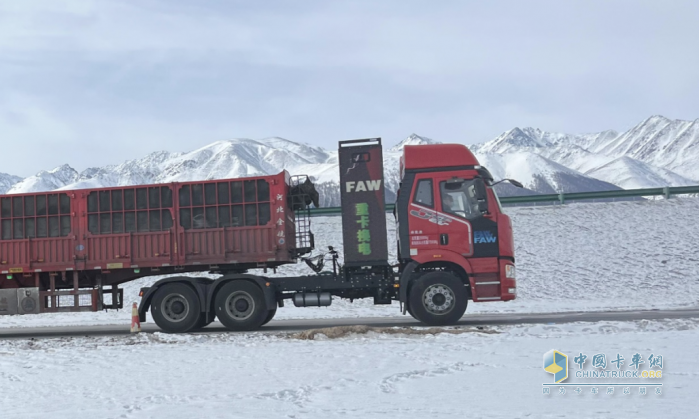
point(512, 290)
point(509, 271)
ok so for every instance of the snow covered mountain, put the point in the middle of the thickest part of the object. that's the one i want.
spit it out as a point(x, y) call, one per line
point(219, 160)
point(6, 182)
point(222, 159)
point(47, 180)
point(413, 139)
point(661, 142)
point(630, 173)
point(657, 152)
point(540, 174)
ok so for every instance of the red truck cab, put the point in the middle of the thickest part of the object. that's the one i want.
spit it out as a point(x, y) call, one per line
point(450, 219)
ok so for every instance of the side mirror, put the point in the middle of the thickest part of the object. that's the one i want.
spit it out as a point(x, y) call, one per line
point(512, 181)
point(516, 183)
point(483, 206)
point(481, 195)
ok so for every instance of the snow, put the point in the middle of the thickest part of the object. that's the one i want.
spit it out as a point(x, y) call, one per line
point(221, 159)
point(413, 139)
point(374, 375)
point(538, 173)
point(46, 180)
point(633, 174)
point(659, 151)
point(672, 144)
point(6, 182)
point(575, 257)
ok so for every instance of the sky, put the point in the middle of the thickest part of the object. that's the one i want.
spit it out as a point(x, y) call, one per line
point(91, 83)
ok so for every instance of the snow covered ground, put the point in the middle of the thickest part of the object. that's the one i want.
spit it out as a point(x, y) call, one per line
point(375, 375)
point(575, 257)
point(570, 258)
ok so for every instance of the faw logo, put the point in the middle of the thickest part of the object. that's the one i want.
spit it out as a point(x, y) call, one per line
point(484, 237)
point(363, 186)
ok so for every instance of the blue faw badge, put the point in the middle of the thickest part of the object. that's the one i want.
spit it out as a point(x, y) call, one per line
point(556, 363)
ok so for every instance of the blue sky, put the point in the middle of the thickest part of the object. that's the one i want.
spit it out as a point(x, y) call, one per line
point(90, 83)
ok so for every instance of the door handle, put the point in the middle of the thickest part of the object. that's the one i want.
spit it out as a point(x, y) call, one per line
point(444, 239)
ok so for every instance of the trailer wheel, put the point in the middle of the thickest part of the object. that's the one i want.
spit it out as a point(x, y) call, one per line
point(202, 322)
point(438, 299)
point(176, 308)
point(240, 305)
point(270, 316)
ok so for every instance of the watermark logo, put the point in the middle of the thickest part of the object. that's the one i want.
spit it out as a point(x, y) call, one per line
point(601, 374)
point(556, 363)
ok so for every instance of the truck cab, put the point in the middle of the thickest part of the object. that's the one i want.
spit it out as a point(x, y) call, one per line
point(449, 221)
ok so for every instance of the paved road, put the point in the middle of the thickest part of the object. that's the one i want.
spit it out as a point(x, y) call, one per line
point(297, 325)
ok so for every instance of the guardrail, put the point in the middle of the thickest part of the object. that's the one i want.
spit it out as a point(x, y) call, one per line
point(666, 192)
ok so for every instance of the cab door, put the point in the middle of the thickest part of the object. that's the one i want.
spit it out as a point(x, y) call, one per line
point(456, 210)
point(423, 231)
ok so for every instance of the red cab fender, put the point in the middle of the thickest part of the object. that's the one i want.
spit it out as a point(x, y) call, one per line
point(437, 256)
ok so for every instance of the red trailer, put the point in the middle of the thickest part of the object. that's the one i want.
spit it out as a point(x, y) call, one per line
point(83, 240)
point(454, 243)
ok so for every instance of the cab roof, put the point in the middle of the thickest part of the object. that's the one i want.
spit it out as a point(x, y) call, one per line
point(430, 156)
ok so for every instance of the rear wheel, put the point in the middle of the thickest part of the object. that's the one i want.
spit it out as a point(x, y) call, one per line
point(176, 308)
point(202, 322)
point(270, 316)
point(240, 305)
point(438, 299)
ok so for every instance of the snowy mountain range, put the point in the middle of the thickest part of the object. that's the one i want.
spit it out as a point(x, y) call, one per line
point(656, 152)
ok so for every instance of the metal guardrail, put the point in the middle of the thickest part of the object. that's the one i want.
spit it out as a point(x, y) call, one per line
point(666, 192)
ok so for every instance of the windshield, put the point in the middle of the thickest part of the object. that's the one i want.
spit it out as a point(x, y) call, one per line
point(459, 199)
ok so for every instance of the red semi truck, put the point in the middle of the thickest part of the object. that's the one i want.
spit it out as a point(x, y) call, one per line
point(70, 250)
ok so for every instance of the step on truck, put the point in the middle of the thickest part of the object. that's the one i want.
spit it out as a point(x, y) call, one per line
point(70, 250)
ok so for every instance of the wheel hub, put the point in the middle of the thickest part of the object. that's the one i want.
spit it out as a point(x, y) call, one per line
point(240, 305)
point(438, 299)
point(175, 307)
point(178, 307)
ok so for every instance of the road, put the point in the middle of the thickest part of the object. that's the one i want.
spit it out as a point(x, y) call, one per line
point(297, 325)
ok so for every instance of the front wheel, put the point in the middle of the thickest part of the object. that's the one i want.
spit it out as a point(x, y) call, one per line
point(240, 305)
point(176, 308)
point(270, 316)
point(438, 299)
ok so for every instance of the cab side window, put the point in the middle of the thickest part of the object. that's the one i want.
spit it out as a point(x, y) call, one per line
point(423, 193)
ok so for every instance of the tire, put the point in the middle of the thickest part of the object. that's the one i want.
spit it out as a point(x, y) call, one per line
point(240, 305)
point(270, 316)
point(410, 311)
point(176, 308)
point(202, 322)
point(438, 299)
